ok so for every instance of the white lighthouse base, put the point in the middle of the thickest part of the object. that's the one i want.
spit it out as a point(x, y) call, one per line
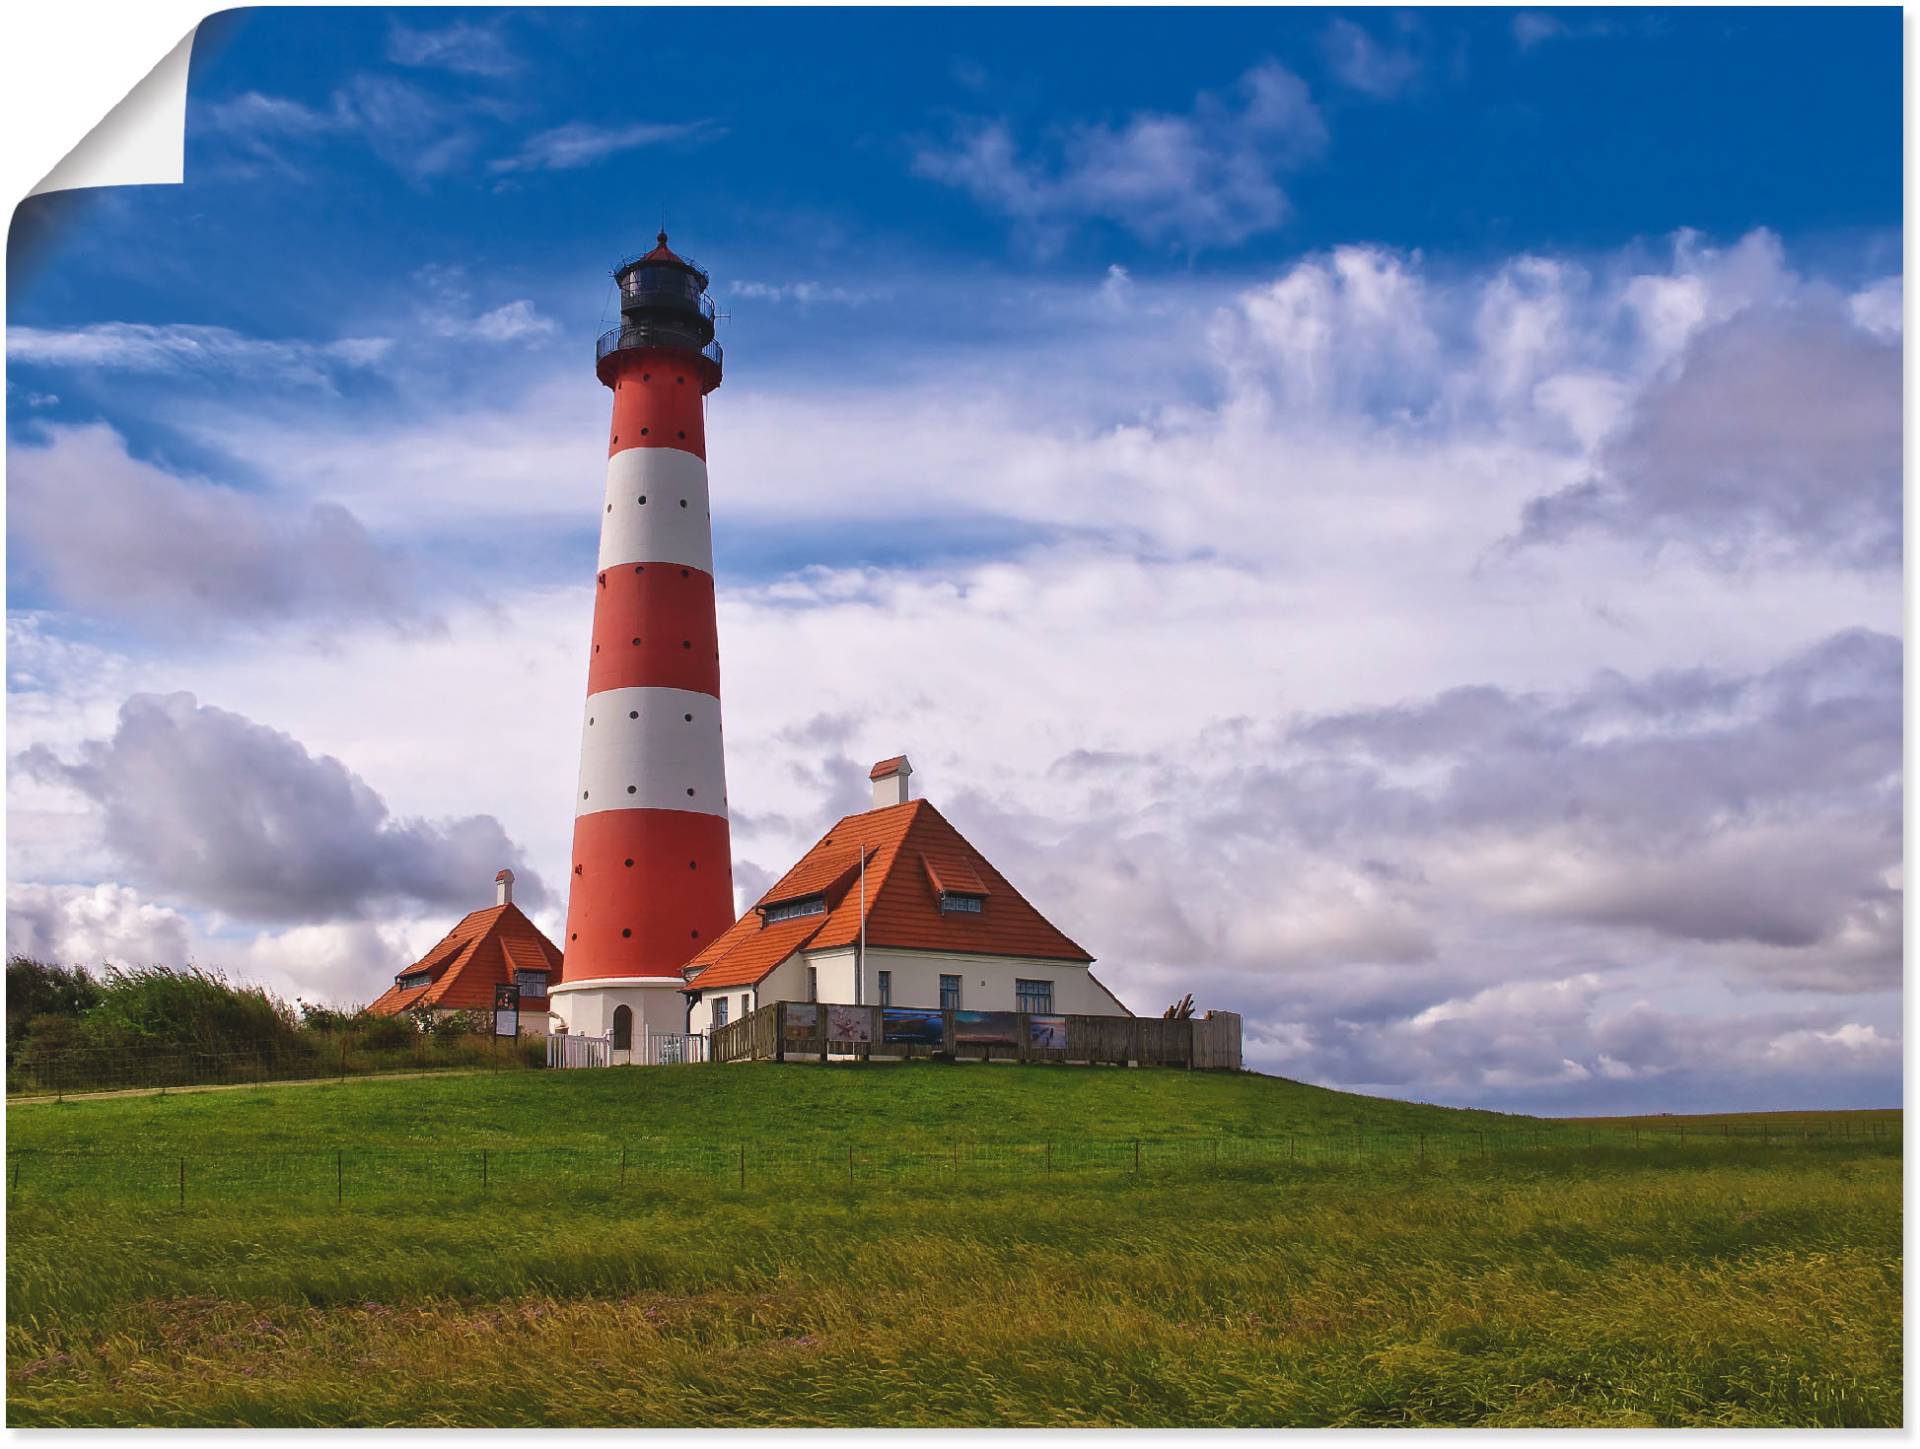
point(656, 1003)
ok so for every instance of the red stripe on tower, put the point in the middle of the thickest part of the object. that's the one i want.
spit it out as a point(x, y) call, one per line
point(652, 877)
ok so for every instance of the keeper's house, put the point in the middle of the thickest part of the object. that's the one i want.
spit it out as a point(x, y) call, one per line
point(490, 948)
point(943, 927)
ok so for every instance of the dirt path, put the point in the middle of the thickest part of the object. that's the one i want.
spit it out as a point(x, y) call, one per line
point(13, 1102)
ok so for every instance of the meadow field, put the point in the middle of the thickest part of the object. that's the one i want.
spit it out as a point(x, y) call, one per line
point(937, 1245)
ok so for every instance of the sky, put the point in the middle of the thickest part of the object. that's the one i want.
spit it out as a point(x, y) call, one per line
point(1388, 521)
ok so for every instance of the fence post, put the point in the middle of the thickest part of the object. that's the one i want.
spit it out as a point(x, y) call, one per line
point(339, 1177)
point(483, 1169)
point(1049, 1154)
point(623, 1167)
point(183, 1183)
point(1136, 1157)
point(743, 1164)
point(16, 1173)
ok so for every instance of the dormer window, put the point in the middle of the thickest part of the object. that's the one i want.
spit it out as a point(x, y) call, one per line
point(416, 979)
point(787, 910)
point(962, 902)
point(531, 983)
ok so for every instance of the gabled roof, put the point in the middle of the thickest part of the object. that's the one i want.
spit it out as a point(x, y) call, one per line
point(484, 951)
point(912, 854)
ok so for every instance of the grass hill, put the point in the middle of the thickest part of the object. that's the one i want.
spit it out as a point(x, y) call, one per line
point(513, 1250)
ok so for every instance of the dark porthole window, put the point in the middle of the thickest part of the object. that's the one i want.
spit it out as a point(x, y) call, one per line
point(629, 862)
point(627, 932)
point(689, 789)
point(683, 503)
point(632, 788)
point(643, 432)
point(633, 714)
point(643, 499)
point(689, 719)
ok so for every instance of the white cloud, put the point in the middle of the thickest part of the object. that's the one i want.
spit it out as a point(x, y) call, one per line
point(1206, 177)
point(104, 924)
point(109, 536)
point(187, 350)
point(463, 48)
point(1364, 63)
point(581, 143)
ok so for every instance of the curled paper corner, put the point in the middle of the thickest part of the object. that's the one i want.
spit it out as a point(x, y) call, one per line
point(140, 142)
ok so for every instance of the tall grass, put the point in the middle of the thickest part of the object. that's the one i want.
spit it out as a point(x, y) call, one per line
point(1715, 1283)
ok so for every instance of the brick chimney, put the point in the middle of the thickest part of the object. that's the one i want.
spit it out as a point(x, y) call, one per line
point(890, 782)
point(503, 888)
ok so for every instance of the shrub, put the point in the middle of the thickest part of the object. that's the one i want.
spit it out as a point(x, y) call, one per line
point(39, 992)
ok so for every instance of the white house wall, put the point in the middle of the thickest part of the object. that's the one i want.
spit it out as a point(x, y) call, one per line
point(986, 982)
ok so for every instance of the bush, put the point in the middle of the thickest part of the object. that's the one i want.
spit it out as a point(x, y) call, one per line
point(153, 1009)
point(38, 993)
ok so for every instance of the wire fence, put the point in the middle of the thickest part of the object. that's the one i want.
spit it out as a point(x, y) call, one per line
point(300, 1058)
point(343, 1175)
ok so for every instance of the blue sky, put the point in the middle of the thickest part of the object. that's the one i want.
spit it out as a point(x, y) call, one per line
point(1319, 476)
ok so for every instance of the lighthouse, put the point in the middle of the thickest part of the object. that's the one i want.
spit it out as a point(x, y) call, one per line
point(652, 869)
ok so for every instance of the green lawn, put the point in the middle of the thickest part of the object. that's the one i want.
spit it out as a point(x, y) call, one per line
point(915, 1260)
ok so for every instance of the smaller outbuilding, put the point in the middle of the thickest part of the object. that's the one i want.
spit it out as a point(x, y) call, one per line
point(894, 907)
point(495, 947)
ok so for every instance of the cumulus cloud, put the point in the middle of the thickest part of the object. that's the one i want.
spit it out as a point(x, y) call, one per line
point(108, 535)
point(1205, 177)
point(211, 809)
point(450, 310)
point(93, 925)
point(581, 143)
point(1778, 431)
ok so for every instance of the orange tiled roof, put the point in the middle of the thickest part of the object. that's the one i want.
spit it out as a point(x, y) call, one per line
point(482, 952)
point(889, 766)
point(903, 903)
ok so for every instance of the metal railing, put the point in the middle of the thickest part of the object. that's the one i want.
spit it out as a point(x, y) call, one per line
point(644, 334)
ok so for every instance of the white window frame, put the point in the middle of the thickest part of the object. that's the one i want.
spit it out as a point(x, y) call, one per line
point(886, 988)
point(719, 1012)
point(953, 1005)
point(1024, 988)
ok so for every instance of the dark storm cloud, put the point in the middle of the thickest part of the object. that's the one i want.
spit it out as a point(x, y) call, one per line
point(107, 535)
point(1776, 436)
point(208, 809)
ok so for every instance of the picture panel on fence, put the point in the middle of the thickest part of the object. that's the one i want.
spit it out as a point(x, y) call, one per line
point(1047, 1033)
point(803, 1021)
point(907, 1026)
point(849, 1024)
point(986, 1028)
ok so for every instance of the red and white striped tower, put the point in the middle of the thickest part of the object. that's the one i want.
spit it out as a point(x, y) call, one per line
point(652, 863)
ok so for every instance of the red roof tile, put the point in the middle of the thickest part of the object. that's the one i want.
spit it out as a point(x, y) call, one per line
point(482, 952)
point(887, 767)
point(903, 905)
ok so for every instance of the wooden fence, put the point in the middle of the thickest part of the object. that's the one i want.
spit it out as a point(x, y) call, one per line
point(818, 1031)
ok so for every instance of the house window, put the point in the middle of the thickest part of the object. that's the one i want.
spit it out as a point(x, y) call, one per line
point(949, 993)
point(787, 910)
point(531, 983)
point(407, 983)
point(813, 983)
point(1034, 996)
point(745, 1009)
point(953, 901)
point(719, 1011)
point(623, 1028)
point(886, 988)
